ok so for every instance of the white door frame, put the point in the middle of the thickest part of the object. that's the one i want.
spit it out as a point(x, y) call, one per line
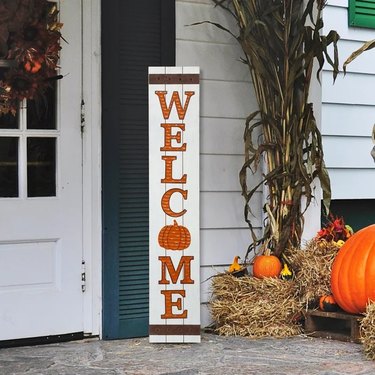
point(92, 216)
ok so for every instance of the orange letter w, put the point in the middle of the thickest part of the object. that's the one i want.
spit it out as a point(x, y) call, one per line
point(176, 100)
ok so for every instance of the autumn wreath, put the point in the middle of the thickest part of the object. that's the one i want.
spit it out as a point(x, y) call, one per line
point(29, 50)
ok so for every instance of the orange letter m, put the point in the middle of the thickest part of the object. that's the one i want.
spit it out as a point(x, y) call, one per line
point(166, 264)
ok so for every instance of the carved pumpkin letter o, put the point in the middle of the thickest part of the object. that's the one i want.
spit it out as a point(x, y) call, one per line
point(174, 237)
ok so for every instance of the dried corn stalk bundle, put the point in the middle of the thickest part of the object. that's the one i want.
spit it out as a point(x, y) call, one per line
point(367, 330)
point(252, 307)
point(282, 40)
point(312, 269)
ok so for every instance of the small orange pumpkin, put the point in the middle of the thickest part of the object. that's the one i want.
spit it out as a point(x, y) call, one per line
point(266, 265)
point(353, 272)
point(33, 66)
point(328, 303)
point(174, 237)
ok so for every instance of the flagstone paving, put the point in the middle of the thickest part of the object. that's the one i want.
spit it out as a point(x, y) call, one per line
point(215, 355)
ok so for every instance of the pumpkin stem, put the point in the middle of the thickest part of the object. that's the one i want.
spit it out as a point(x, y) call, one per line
point(175, 223)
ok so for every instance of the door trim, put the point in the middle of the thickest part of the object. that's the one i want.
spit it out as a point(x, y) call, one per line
point(41, 340)
point(92, 222)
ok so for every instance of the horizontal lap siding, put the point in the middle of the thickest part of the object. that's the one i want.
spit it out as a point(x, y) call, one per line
point(348, 111)
point(347, 119)
point(227, 98)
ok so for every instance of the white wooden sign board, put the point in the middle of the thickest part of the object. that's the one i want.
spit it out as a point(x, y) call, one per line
point(174, 204)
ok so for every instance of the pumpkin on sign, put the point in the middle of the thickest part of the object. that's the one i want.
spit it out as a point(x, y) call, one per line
point(174, 237)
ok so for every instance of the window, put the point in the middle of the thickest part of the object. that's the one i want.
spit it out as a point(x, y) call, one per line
point(28, 146)
point(362, 13)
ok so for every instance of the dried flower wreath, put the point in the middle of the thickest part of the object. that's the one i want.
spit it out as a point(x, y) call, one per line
point(29, 49)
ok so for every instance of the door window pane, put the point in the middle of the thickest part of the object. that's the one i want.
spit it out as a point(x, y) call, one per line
point(7, 121)
point(41, 113)
point(41, 167)
point(8, 167)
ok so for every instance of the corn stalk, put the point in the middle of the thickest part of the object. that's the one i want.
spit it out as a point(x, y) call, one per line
point(281, 40)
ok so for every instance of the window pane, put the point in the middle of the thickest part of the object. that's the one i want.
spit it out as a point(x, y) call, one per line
point(4, 66)
point(41, 167)
point(8, 167)
point(41, 113)
point(7, 121)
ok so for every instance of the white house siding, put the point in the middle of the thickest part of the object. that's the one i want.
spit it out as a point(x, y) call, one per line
point(226, 99)
point(348, 110)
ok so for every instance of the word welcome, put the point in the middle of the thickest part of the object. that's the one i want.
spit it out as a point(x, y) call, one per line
point(174, 204)
point(173, 143)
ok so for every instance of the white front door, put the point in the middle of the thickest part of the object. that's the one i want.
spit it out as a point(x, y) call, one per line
point(41, 205)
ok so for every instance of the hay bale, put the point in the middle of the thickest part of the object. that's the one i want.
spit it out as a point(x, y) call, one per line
point(312, 269)
point(253, 307)
point(367, 330)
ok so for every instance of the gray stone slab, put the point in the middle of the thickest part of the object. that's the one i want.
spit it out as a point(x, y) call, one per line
point(215, 355)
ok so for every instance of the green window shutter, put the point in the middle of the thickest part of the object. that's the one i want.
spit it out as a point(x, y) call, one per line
point(135, 35)
point(362, 13)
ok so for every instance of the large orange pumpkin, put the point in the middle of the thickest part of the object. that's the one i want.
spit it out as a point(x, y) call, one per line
point(174, 237)
point(353, 272)
point(266, 266)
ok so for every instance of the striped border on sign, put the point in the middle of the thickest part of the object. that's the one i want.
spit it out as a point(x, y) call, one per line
point(173, 79)
point(173, 329)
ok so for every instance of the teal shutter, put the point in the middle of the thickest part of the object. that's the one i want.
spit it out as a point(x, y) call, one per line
point(135, 35)
point(362, 13)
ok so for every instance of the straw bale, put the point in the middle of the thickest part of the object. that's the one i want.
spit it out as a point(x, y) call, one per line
point(367, 330)
point(248, 306)
point(312, 269)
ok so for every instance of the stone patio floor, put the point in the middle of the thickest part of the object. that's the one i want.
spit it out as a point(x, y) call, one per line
point(215, 355)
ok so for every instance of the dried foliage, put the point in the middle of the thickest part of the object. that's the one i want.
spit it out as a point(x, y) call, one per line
point(29, 47)
point(246, 306)
point(281, 40)
point(312, 269)
point(335, 230)
point(365, 47)
point(367, 331)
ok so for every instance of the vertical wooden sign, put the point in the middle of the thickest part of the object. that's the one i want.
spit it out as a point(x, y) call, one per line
point(174, 204)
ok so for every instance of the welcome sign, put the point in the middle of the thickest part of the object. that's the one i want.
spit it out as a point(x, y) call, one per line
point(174, 204)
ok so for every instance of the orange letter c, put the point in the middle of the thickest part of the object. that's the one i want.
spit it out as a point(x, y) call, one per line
point(165, 202)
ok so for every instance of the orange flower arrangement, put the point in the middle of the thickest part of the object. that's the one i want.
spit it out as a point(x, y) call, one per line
point(335, 230)
point(30, 43)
